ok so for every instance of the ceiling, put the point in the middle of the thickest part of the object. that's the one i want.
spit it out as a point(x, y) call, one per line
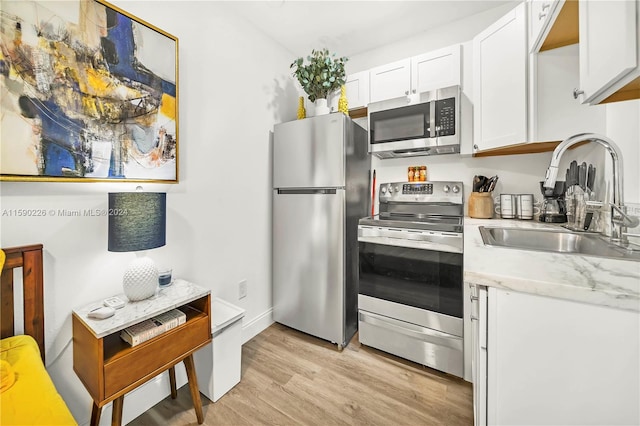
point(349, 28)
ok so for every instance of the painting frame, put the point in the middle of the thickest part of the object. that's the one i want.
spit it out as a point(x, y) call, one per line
point(108, 114)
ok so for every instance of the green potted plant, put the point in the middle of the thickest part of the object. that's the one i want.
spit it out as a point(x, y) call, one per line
point(322, 75)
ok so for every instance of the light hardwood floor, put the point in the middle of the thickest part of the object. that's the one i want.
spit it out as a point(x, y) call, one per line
point(290, 378)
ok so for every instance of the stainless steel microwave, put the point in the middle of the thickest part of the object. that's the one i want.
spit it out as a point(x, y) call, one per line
point(424, 124)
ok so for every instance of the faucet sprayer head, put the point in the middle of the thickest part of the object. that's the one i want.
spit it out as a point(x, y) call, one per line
point(550, 177)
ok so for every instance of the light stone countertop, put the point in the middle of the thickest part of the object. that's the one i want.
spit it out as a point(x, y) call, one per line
point(179, 293)
point(588, 279)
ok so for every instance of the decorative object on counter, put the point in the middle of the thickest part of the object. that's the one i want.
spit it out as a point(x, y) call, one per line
point(579, 192)
point(137, 222)
point(302, 112)
point(343, 104)
point(481, 205)
point(423, 173)
point(323, 75)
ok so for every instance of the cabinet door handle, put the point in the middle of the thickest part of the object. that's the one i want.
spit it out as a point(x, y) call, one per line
point(472, 298)
point(474, 318)
point(546, 6)
point(577, 92)
point(541, 15)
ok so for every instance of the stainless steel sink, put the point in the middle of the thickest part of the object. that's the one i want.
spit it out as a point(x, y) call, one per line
point(555, 241)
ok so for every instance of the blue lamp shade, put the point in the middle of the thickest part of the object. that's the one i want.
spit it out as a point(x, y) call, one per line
point(137, 220)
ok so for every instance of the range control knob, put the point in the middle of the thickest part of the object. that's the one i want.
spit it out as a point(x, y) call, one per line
point(390, 189)
point(455, 189)
point(397, 188)
point(383, 189)
point(446, 189)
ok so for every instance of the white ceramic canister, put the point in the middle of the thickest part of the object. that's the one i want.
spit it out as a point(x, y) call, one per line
point(507, 207)
point(524, 206)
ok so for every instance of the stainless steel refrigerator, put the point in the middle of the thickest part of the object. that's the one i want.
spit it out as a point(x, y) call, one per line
point(320, 190)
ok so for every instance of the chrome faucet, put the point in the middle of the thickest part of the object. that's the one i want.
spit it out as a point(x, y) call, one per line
point(619, 218)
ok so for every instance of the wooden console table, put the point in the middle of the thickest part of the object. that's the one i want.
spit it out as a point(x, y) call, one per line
point(109, 367)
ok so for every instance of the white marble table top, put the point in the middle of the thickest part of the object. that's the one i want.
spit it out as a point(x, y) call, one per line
point(179, 293)
point(595, 280)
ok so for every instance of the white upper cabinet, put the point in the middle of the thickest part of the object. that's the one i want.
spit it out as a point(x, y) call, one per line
point(358, 89)
point(357, 85)
point(524, 98)
point(539, 18)
point(390, 81)
point(500, 82)
point(435, 70)
point(609, 50)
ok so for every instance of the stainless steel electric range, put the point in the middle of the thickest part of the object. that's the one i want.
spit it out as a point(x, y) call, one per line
point(410, 297)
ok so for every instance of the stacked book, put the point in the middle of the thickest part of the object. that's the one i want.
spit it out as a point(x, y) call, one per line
point(153, 327)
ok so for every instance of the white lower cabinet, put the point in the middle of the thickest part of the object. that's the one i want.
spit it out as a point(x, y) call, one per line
point(547, 361)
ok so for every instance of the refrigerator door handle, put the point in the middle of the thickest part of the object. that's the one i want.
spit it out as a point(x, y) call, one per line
point(307, 191)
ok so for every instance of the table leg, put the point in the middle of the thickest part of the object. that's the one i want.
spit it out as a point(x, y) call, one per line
point(95, 414)
point(172, 381)
point(193, 386)
point(116, 414)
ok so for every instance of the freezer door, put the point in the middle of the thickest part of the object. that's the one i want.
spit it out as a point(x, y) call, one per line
point(308, 261)
point(309, 153)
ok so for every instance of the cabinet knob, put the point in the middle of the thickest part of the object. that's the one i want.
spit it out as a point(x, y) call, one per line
point(546, 6)
point(406, 93)
point(541, 15)
point(577, 92)
point(475, 146)
point(413, 91)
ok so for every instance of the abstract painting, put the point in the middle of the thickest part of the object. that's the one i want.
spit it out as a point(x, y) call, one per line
point(88, 92)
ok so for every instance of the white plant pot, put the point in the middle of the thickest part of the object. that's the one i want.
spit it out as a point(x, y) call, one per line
point(321, 107)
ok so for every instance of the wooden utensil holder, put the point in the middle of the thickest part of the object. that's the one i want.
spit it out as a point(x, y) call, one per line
point(481, 205)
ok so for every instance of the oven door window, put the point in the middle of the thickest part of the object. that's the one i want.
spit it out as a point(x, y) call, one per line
point(425, 279)
point(410, 122)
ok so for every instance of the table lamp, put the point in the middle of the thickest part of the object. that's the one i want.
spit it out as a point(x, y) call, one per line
point(137, 222)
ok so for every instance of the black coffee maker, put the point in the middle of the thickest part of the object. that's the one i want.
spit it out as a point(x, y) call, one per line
point(554, 208)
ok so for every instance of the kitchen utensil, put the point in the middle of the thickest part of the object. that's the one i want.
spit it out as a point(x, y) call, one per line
point(478, 181)
point(574, 173)
point(591, 177)
point(493, 183)
point(582, 176)
point(587, 220)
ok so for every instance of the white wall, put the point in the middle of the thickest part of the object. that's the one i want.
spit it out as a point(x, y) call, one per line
point(233, 87)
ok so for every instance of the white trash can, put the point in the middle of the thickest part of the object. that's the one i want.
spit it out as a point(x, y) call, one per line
point(219, 364)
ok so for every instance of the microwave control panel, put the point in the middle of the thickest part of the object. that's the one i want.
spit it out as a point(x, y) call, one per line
point(446, 117)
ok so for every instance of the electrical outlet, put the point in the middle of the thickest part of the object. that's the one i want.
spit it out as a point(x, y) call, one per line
point(242, 289)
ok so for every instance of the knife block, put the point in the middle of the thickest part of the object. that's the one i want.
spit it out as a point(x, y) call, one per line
point(481, 205)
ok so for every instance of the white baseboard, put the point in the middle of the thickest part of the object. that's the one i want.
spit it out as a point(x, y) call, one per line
point(257, 325)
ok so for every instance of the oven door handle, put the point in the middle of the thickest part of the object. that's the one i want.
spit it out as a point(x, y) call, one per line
point(436, 241)
point(414, 331)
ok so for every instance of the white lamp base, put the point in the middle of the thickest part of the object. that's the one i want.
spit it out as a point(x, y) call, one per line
point(140, 280)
